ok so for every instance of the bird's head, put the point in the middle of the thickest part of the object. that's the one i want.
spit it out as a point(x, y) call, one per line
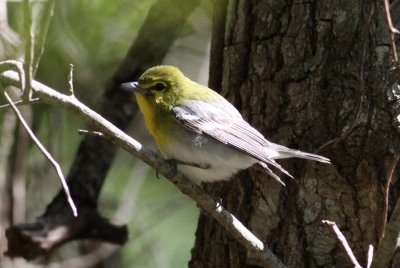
point(163, 85)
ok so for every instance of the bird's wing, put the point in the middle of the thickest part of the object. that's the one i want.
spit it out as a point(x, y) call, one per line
point(221, 121)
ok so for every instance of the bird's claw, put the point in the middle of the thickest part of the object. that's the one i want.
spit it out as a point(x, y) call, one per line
point(218, 201)
point(174, 168)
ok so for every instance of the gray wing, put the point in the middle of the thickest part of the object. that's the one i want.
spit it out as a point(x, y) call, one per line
point(225, 124)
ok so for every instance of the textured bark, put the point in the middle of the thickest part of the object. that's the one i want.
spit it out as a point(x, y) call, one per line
point(217, 44)
point(315, 76)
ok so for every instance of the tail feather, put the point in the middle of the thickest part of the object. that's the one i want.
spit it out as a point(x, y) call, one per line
point(284, 152)
point(299, 154)
point(277, 166)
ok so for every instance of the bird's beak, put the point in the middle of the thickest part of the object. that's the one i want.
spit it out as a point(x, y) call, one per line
point(132, 87)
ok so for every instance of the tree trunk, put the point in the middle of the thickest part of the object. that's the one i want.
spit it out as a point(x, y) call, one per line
point(313, 76)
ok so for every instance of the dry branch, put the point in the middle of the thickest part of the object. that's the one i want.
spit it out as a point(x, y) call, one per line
point(46, 154)
point(389, 177)
point(343, 242)
point(392, 30)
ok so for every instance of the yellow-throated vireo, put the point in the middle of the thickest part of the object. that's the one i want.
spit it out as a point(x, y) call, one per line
point(201, 130)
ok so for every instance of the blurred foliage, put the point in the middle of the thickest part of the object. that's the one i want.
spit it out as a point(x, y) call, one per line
point(94, 36)
point(162, 221)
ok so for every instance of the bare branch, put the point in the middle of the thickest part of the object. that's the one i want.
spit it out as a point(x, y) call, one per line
point(71, 79)
point(118, 137)
point(29, 37)
point(343, 242)
point(20, 103)
point(15, 66)
point(42, 35)
point(392, 30)
point(384, 215)
point(89, 132)
point(46, 154)
point(370, 255)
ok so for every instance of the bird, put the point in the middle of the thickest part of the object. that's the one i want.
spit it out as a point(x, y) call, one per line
point(203, 133)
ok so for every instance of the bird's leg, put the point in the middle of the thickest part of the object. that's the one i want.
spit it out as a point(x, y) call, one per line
point(197, 165)
point(174, 166)
point(174, 169)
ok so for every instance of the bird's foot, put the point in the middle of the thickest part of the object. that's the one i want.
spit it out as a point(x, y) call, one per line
point(197, 165)
point(218, 201)
point(174, 166)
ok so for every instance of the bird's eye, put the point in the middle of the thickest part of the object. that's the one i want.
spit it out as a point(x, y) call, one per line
point(159, 86)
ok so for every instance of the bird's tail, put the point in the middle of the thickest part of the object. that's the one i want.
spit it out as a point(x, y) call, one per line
point(284, 152)
point(273, 175)
point(276, 151)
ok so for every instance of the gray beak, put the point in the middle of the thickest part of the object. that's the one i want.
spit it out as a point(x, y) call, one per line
point(132, 87)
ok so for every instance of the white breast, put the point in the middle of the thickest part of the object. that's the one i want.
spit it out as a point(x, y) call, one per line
point(222, 160)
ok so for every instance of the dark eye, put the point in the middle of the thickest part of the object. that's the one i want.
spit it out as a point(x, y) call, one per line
point(159, 86)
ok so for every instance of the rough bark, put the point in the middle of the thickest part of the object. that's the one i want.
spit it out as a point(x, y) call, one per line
point(94, 157)
point(315, 76)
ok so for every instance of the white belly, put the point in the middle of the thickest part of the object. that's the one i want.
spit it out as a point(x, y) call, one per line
point(221, 160)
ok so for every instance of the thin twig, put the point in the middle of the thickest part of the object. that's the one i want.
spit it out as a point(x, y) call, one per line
point(384, 215)
point(15, 66)
point(343, 242)
point(71, 80)
point(46, 154)
point(90, 132)
point(229, 222)
point(370, 255)
point(42, 35)
point(392, 30)
point(29, 39)
point(21, 102)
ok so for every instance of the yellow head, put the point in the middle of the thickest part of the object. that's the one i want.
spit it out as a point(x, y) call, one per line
point(163, 87)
